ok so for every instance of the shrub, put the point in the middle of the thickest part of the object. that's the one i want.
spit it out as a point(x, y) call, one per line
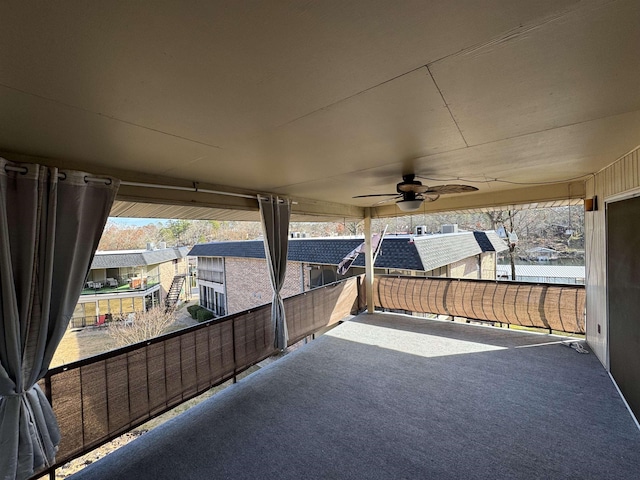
point(193, 310)
point(140, 326)
point(204, 315)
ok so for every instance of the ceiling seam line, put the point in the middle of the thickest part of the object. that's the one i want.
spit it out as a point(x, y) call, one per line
point(372, 168)
point(349, 97)
point(566, 125)
point(446, 104)
point(520, 30)
point(109, 117)
point(473, 145)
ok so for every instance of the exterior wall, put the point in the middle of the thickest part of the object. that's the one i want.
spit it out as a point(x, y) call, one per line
point(465, 268)
point(488, 265)
point(437, 272)
point(620, 179)
point(167, 271)
point(98, 274)
point(248, 285)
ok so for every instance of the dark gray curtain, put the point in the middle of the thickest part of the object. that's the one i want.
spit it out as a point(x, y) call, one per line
point(50, 226)
point(275, 213)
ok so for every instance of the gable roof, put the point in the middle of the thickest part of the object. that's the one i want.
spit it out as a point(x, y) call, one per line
point(405, 252)
point(137, 258)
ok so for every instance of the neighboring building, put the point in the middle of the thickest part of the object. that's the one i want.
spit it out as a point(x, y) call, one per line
point(233, 276)
point(544, 273)
point(541, 254)
point(127, 281)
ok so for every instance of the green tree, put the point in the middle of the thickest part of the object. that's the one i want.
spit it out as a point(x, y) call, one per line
point(175, 230)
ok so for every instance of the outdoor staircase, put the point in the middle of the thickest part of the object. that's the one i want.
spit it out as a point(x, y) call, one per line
point(174, 291)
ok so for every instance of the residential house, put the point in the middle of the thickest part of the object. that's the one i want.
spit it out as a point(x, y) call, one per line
point(541, 254)
point(232, 276)
point(127, 281)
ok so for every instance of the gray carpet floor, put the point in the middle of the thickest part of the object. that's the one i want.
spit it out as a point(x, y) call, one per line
point(393, 397)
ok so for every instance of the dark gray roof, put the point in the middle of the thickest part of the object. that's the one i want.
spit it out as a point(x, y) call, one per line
point(403, 252)
point(490, 241)
point(329, 251)
point(137, 258)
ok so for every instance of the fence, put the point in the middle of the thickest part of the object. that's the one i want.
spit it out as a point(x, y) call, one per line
point(102, 397)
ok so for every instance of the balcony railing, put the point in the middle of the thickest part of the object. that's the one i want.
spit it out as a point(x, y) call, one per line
point(102, 397)
point(120, 284)
point(548, 306)
point(211, 276)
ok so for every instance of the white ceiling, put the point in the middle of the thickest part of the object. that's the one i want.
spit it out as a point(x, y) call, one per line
point(322, 100)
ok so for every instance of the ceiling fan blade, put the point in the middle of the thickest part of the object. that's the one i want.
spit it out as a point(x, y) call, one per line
point(412, 187)
point(429, 197)
point(448, 189)
point(388, 200)
point(377, 195)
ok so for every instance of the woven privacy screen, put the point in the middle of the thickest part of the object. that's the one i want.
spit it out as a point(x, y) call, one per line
point(102, 397)
point(114, 392)
point(557, 307)
point(318, 308)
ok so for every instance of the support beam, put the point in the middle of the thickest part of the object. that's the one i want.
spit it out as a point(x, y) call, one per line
point(368, 260)
point(540, 196)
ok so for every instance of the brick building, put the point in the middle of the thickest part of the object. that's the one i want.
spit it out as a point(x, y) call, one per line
point(233, 276)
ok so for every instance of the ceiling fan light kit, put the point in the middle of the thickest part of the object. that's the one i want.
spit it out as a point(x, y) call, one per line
point(409, 205)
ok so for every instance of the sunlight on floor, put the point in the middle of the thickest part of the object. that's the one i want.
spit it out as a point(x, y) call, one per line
point(407, 341)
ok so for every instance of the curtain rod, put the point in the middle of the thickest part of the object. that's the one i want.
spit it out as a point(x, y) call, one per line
point(61, 176)
point(195, 189)
point(107, 181)
point(187, 189)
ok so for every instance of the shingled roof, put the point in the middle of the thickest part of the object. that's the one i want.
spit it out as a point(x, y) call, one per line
point(402, 252)
point(137, 258)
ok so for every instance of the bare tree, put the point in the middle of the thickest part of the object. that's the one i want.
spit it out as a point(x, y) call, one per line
point(505, 219)
point(511, 242)
point(138, 327)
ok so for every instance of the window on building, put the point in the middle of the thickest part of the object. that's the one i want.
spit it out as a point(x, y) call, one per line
point(220, 309)
point(212, 300)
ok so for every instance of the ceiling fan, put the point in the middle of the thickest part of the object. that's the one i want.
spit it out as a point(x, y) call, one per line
point(410, 193)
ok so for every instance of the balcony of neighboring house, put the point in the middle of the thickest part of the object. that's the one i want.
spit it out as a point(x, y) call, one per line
point(375, 396)
point(115, 293)
point(121, 283)
point(129, 282)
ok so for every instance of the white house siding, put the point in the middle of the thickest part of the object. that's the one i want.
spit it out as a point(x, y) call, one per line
point(620, 179)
